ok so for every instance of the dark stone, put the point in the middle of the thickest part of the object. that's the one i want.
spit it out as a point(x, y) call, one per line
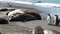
point(4, 9)
point(3, 21)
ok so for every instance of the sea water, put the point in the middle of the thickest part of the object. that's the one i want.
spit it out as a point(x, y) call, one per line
point(45, 1)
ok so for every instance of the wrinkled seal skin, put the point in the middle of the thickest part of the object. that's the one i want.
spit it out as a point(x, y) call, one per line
point(40, 30)
point(23, 17)
point(3, 21)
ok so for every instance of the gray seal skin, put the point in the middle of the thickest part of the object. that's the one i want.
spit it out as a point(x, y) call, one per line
point(40, 30)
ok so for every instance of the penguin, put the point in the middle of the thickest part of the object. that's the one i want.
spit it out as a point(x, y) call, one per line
point(57, 20)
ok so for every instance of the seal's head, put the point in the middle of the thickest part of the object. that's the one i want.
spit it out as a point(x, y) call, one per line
point(38, 30)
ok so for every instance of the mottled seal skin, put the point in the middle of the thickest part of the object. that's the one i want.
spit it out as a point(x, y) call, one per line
point(40, 30)
point(3, 21)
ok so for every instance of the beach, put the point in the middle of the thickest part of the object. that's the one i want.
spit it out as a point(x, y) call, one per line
point(22, 27)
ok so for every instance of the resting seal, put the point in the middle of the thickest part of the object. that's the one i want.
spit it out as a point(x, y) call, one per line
point(26, 14)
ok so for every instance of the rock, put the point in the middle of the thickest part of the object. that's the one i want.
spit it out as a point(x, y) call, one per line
point(3, 21)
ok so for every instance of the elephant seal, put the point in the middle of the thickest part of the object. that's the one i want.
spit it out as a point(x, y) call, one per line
point(24, 14)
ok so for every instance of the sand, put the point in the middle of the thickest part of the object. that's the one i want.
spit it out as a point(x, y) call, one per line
point(22, 27)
